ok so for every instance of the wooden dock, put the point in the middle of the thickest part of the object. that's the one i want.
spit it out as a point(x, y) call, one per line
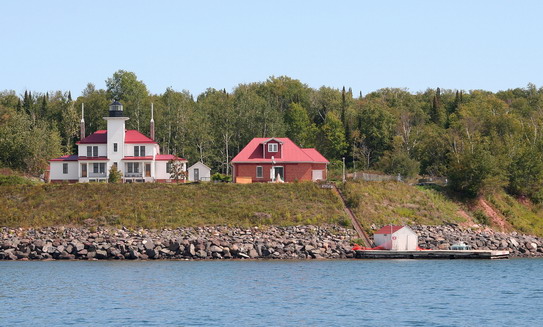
point(432, 254)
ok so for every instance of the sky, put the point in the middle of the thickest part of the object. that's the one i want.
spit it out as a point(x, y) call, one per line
point(194, 45)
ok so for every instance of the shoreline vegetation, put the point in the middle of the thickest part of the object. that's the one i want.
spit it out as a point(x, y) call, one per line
point(169, 206)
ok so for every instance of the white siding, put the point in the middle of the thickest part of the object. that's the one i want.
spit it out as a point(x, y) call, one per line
point(204, 171)
point(404, 239)
point(160, 170)
point(115, 134)
point(102, 149)
point(56, 172)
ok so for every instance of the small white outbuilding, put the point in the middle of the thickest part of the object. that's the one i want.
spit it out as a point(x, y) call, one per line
point(199, 172)
point(396, 238)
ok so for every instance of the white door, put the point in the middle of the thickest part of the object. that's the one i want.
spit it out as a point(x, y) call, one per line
point(316, 175)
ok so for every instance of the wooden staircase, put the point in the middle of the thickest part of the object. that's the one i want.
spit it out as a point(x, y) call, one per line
point(356, 223)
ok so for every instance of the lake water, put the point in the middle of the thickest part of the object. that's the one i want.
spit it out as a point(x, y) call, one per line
point(273, 293)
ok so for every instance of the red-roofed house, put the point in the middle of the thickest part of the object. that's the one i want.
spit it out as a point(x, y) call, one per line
point(135, 155)
point(278, 159)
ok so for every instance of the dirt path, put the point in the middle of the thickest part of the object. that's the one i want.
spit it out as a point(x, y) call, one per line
point(496, 219)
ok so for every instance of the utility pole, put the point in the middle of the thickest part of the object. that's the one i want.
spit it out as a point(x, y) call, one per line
point(343, 169)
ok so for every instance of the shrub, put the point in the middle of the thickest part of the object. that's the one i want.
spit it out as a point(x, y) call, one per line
point(218, 177)
point(14, 180)
point(481, 217)
point(114, 175)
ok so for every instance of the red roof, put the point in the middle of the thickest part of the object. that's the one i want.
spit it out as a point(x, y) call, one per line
point(95, 138)
point(315, 155)
point(72, 157)
point(168, 157)
point(131, 136)
point(290, 153)
point(389, 229)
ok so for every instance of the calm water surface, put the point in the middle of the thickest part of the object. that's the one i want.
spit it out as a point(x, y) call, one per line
point(273, 293)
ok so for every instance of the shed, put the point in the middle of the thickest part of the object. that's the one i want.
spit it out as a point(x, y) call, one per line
point(199, 172)
point(396, 238)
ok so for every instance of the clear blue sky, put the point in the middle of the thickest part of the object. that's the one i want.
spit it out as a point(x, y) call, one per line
point(193, 45)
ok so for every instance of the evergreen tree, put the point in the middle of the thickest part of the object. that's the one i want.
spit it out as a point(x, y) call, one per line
point(438, 113)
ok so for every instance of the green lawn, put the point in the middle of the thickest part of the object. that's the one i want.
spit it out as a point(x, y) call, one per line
point(163, 205)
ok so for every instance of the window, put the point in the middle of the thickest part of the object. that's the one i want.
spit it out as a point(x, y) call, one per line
point(139, 151)
point(259, 172)
point(64, 168)
point(133, 167)
point(83, 170)
point(272, 147)
point(114, 147)
point(92, 151)
point(98, 168)
point(168, 167)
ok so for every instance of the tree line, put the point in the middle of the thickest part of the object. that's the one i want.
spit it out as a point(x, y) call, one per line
point(480, 140)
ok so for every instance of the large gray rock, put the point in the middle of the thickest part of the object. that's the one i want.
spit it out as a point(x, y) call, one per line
point(148, 244)
point(192, 250)
point(101, 254)
point(215, 248)
point(514, 242)
point(253, 253)
point(174, 246)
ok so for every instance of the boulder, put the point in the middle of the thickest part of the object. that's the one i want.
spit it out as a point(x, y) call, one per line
point(148, 244)
point(215, 248)
point(253, 254)
point(101, 254)
point(192, 250)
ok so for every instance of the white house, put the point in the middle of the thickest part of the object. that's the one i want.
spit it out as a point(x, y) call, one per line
point(199, 172)
point(396, 238)
point(136, 156)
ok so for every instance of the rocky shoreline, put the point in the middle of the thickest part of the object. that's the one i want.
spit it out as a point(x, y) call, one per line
point(441, 237)
point(296, 242)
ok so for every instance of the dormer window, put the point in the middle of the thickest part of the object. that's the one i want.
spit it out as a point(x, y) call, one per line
point(139, 151)
point(273, 147)
point(92, 151)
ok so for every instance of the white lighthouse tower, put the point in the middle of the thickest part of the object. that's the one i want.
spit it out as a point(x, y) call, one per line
point(116, 135)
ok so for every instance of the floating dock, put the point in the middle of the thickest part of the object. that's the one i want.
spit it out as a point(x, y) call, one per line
point(432, 254)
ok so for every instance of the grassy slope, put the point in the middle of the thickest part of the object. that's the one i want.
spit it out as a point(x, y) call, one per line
point(383, 203)
point(522, 215)
point(160, 205)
